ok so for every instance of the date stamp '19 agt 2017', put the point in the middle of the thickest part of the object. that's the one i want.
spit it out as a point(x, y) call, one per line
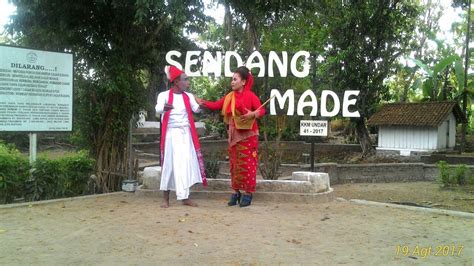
point(426, 251)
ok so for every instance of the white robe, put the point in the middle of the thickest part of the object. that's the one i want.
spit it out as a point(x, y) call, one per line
point(180, 169)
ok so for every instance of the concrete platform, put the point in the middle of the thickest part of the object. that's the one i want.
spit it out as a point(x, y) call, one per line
point(309, 187)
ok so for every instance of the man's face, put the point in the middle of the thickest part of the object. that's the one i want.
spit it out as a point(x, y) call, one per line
point(182, 82)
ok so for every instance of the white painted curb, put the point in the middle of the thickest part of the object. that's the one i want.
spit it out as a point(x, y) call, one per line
point(467, 215)
point(41, 202)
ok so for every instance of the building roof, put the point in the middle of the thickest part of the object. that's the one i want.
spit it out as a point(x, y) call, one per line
point(416, 114)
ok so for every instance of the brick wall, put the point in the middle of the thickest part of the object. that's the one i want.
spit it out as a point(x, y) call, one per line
point(393, 172)
point(363, 173)
point(294, 149)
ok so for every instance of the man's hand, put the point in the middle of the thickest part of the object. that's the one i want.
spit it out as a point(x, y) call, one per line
point(167, 107)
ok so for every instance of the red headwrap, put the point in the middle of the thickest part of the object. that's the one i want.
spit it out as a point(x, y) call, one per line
point(172, 72)
point(248, 85)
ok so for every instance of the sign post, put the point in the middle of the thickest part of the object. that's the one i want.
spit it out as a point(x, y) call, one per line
point(36, 92)
point(33, 147)
point(313, 128)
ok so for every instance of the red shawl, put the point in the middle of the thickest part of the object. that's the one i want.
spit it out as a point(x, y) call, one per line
point(194, 135)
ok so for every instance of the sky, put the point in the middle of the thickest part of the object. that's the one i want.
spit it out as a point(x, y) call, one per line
point(6, 10)
point(450, 15)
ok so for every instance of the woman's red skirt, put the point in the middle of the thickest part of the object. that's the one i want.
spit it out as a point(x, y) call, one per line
point(243, 158)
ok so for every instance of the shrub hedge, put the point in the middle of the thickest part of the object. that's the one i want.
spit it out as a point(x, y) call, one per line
point(46, 179)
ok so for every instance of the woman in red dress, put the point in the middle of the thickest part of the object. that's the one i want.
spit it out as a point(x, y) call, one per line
point(240, 108)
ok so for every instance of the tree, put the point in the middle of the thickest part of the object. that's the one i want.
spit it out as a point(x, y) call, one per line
point(363, 40)
point(405, 78)
point(116, 45)
point(465, 4)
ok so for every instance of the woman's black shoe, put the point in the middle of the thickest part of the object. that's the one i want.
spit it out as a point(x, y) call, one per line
point(246, 200)
point(234, 199)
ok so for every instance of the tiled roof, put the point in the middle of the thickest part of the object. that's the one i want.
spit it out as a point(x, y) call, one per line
point(416, 114)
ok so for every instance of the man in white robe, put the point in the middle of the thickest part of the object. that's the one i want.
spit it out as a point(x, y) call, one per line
point(182, 164)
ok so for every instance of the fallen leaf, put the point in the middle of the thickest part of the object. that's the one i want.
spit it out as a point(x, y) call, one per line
point(181, 220)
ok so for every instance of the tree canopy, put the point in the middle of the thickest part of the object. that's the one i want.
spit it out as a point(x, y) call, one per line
point(116, 45)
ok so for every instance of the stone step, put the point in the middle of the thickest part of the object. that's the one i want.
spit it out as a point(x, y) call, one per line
point(146, 130)
point(145, 137)
point(147, 156)
point(301, 182)
point(303, 187)
point(143, 165)
point(147, 147)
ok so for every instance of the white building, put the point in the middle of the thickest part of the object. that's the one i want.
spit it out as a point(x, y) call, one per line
point(419, 127)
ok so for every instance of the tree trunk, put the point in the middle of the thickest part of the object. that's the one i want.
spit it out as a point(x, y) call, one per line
point(466, 66)
point(363, 137)
point(111, 156)
point(153, 89)
point(406, 87)
point(444, 92)
point(228, 26)
point(429, 20)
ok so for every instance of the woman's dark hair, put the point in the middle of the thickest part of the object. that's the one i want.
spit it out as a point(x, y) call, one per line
point(243, 72)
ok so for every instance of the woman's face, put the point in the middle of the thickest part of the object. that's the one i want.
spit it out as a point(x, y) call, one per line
point(237, 82)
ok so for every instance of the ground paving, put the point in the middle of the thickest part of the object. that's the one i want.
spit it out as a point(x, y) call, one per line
point(124, 229)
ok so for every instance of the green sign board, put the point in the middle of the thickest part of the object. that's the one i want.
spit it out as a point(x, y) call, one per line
point(35, 90)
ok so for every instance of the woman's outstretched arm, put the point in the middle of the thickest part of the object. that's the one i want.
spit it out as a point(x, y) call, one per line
point(217, 105)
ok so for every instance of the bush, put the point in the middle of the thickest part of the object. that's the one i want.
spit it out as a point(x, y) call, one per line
point(214, 126)
point(76, 171)
point(13, 172)
point(64, 177)
point(212, 166)
point(460, 174)
point(444, 176)
point(270, 158)
point(47, 178)
point(471, 180)
point(458, 178)
point(44, 180)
